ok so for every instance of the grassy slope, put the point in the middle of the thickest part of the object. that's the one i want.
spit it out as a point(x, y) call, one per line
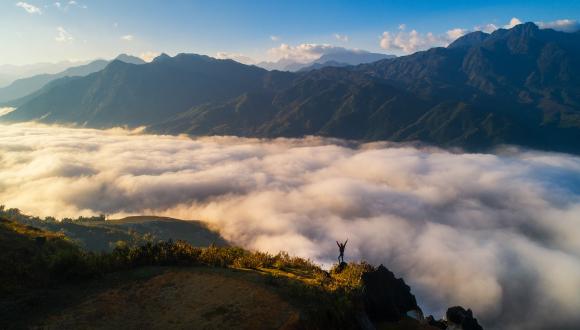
point(197, 297)
point(25, 253)
point(253, 290)
point(100, 235)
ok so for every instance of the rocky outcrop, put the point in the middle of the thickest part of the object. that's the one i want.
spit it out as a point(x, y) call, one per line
point(456, 318)
point(459, 318)
point(387, 298)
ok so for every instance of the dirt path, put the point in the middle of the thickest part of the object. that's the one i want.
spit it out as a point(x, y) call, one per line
point(194, 298)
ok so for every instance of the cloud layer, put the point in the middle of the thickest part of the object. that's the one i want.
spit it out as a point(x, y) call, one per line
point(566, 25)
point(499, 233)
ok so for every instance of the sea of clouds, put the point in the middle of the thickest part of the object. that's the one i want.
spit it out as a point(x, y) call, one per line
point(499, 233)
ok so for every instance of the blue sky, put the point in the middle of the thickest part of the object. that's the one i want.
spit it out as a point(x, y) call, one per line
point(39, 31)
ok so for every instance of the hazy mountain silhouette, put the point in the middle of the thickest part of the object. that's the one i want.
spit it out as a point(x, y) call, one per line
point(517, 86)
point(26, 86)
point(338, 57)
point(317, 66)
point(353, 57)
point(149, 93)
point(345, 59)
point(11, 72)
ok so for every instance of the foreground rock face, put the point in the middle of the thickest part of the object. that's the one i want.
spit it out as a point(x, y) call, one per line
point(459, 318)
point(386, 298)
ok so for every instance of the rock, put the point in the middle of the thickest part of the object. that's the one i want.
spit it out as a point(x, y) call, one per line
point(439, 324)
point(363, 321)
point(416, 314)
point(385, 297)
point(340, 267)
point(462, 319)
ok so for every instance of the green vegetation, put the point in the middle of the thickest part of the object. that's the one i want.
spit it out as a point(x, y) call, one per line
point(30, 255)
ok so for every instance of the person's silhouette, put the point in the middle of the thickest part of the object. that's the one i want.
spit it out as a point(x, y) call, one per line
point(341, 247)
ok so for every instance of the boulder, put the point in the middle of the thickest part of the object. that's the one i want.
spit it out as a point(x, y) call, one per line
point(439, 324)
point(459, 318)
point(386, 298)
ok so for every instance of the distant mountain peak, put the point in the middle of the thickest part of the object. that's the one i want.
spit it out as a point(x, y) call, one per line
point(469, 40)
point(161, 58)
point(129, 59)
point(525, 29)
point(531, 26)
point(478, 37)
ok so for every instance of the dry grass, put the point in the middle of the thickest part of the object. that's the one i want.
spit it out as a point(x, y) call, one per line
point(200, 298)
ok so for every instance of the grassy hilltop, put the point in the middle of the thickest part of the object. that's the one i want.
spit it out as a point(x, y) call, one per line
point(48, 281)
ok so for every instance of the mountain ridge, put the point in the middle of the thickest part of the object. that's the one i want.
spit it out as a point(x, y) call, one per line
point(513, 86)
point(25, 86)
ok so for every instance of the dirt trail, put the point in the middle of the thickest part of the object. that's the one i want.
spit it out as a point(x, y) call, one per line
point(196, 298)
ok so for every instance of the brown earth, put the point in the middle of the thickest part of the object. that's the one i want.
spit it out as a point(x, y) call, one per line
point(192, 298)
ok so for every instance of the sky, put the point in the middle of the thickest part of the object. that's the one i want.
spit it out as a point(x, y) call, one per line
point(35, 31)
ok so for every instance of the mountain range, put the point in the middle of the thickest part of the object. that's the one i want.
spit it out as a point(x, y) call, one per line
point(25, 86)
point(10, 72)
point(518, 86)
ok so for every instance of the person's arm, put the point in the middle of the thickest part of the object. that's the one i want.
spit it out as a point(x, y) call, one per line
point(338, 244)
point(345, 242)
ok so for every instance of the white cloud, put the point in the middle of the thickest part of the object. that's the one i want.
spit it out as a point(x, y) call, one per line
point(148, 56)
point(236, 57)
point(31, 9)
point(499, 233)
point(402, 27)
point(6, 110)
point(303, 53)
point(127, 37)
point(274, 38)
point(490, 27)
point(340, 37)
point(565, 25)
point(454, 34)
point(66, 5)
point(410, 42)
point(487, 28)
point(63, 35)
point(513, 22)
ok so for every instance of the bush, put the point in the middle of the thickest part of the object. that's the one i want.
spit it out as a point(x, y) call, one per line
point(254, 260)
point(71, 265)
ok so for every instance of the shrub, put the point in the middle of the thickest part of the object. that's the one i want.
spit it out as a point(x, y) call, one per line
point(71, 265)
